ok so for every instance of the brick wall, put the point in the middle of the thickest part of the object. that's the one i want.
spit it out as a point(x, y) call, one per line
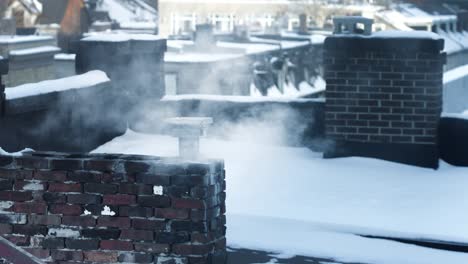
point(384, 97)
point(113, 208)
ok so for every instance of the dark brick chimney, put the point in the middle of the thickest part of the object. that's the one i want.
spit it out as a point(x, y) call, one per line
point(384, 96)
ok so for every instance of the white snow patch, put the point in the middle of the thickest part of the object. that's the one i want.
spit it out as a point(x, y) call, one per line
point(86, 212)
point(65, 56)
point(158, 190)
point(418, 34)
point(74, 82)
point(107, 211)
point(43, 49)
point(318, 205)
point(5, 39)
point(63, 232)
point(463, 115)
point(34, 186)
point(15, 154)
point(5, 205)
point(119, 37)
point(456, 74)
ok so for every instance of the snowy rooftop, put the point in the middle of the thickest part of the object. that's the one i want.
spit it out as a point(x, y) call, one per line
point(121, 37)
point(4, 39)
point(88, 79)
point(291, 201)
point(193, 57)
point(65, 56)
point(129, 11)
point(37, 50)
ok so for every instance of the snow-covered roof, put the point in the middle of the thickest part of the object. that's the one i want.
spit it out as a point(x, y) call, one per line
point(306, 205)
point(195, 57)
point(37, 50)
point(133, 11)
point(120, 37)
point(88, 79)
point(65, 56)
point(406, 34)
point(4, 39)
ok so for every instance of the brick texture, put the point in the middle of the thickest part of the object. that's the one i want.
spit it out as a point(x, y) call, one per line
point(382, 93)
point(81, 210)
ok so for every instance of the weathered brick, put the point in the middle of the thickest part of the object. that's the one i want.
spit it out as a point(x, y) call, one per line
point(100, 188)
point(66, 164)
point(53, 243)
point(135, 211)
point(21, 185)
point(187, 203)
point(101, 233)
point(136, 166)
point(116, 245)
point(172, 237)
point(5, 160)
point(152, 248)
point(47, 175)
point(135, 257)
point(65, 209)
point(5, 229)
point(102, 257)
point(32, 163)
point(108, 221)
point(79, 221)
point(84, 176)
point(99, 165)
point(171, 213)
point(15, 196)
point(19, 240)
point(6, 185)
point(15, 174)
point(54, 198)
point(151, 178)
point(137, 235)
point(13, 218)
point(154, 201)
point(133, 188)
point(30, 208)
point(146, 224)
point(84, 199)
point(65, 187)
point(192, 249)
point(38, 252)
point(190, 180)
point(66, 255)
point(29, 230)
point(84, 244)
point(119, 199)
point(48, 220)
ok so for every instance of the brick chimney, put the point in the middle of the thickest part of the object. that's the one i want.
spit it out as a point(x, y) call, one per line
point(303, 29)
point(384, 96)
point(204, 37)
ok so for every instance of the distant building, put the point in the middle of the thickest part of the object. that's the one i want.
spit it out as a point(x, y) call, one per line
point(25, 12)
point(181, 16)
